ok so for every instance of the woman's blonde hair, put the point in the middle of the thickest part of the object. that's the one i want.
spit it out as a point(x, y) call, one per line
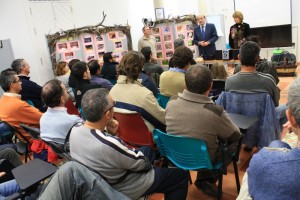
point(59, 68)
point(218, 71)
point(238, 14)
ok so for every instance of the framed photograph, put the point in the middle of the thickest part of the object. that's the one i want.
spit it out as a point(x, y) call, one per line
point(167, 29)
point(168, 45)
point(61, 47)
point(74, 45)
point(190, 35)
point(118, 45)
point(159, 55)
point(167, 38)
point(190, 43)
point(99, 38)
point(179, 28)
point(157, 38)
point(89, 47)
point(155, 30)
point(159, 13)
point(181, 36)
point(87, 39)
point(121, 34)
point(90, 56)
point(69, 56)
point(169, 54)
point(101, 54)
point(189, 27)
point(112, 35)
point(124, 52)
point(165, 62)
point(158, 47)
point(100, 46)
point(117, 55)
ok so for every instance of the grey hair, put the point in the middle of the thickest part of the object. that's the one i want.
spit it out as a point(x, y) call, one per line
point(17, 64)
point(93, 103)
point(294, 99)
point(178, 42)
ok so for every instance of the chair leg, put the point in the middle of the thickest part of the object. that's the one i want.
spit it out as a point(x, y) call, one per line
point(190, 177)
point(220, 186)
point(236, 173)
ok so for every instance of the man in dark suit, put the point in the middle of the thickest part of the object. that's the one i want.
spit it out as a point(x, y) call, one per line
point(205, 36)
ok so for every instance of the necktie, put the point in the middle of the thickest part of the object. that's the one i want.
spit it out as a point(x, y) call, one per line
point(203, 33)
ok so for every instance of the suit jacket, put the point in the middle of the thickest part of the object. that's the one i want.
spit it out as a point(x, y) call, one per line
point(210, 36)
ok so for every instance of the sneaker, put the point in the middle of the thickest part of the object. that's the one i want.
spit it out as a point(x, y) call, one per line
point(207, 188)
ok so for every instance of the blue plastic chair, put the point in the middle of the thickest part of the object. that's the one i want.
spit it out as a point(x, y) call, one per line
point(162, 100)
point(81, 113)
point(192, 154)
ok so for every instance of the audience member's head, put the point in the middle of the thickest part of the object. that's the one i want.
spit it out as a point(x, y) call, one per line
point(182, 57)
point(218, 71)
point(131, 65)
point(178, 43)
point(198, 79)
point(94, 67)
point(61, 68)
point(72, 62)
point(81, 71)
point(96, 104)
point(20, 66)
point(10, 82)
point(54, 93)
point(293, 112)
point(108, 57)
point(146, 51)
point(249, 53)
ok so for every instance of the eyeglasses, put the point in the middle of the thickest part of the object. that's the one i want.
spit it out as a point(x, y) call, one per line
point(17, 81)
point(110, 107)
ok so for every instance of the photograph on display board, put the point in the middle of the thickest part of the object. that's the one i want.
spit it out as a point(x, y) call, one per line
point(165, 62)
point(124, 52)
point(118, 45)
point(101, 54)
point(190, 35)
point(89, 47)
point(99, 38)
point(69, 55)
point(112, 35)
point(155, 30)
point(157, 38)
point(189, 27)
point(121, 34)
point(117, 55)
point(90, 56)
point(168, 45)
point(87, 39)
point(62, 47)
point(180, 28)
point(169, 54)
point(159, 55)
point(74, 45)
point(167, 38)
point(100, 46)
point(167, 29)
point(190, 43)
point(158, 47)
point(181, 36)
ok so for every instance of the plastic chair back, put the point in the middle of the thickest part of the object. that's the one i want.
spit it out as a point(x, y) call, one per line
point(186, 153)
point(59, 150)
point(162, 100)
point(133, 130)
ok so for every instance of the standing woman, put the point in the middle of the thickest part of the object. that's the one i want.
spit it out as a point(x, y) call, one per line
point(239, 31)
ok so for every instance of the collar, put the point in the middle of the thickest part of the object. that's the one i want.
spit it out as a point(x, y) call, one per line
point(122, 80)
point(58, 108)
point(23, 75)
point(203, 25)
point(199, 98)
point(175, 69)
point(9, 94)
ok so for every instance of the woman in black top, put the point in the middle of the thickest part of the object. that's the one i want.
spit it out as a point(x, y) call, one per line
point(239, 31)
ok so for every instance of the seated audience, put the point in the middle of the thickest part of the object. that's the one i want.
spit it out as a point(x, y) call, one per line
point(218, 71)
point(273, 171)
point(82, 75)
point(194, 114)
point(178, 43)
point(108, 70)
point(128, 91)
point(95, 75)
point(30, 90)
point(150, 67)
point(56, 122)
point(15, 111)
point(62, 73)
point(72, 80)
point(127, 170)
point(262, 65)
point(172, 81)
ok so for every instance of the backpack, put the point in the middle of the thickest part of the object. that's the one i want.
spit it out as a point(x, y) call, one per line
point(285, 59)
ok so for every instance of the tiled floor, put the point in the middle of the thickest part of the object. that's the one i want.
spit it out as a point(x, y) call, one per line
point(229, 186)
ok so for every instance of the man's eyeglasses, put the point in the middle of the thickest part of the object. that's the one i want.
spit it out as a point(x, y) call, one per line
point(110, 107)
point(17, 81)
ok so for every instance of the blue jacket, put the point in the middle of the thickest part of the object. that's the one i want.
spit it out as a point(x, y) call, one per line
point(258, 105)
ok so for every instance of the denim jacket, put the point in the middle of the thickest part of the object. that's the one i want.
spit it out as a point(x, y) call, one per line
point(258, 105)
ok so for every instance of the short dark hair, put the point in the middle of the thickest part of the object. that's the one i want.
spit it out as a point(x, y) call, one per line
point(94, 102)
point(52, 92)
point(249, 53)
point(182, 57)
point(72, 62)
point(131, 65)
point(107, 56)
point(198, 79)
point(146, 51)
point(17, 64)
point(6, 78)
point(78, 70)
point(178, 43)
point(93, 66)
